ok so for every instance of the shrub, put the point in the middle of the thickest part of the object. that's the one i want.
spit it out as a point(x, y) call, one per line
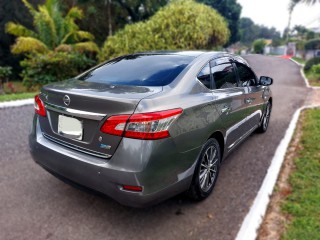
point(179, 25)
point(316, 69)
point(41, 69)
point(311, 62)
point(258, 46)
point(312, 44)
point(5, 72)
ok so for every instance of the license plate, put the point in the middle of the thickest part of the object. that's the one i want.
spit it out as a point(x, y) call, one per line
point(70, 127)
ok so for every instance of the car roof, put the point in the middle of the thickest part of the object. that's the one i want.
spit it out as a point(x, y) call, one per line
point(195, 54)
point(169, 52)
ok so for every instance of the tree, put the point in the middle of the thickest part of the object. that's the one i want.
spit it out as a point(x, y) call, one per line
point(54, 49)
point(249, 32)
point(231, 11)
point(291, 7)
point(170, 28)
point(258, 46)
point(310, 2)
point(104, 17)
point(52, 31)
point(12, 10)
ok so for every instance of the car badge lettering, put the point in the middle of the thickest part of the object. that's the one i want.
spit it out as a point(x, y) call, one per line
point(105, 146)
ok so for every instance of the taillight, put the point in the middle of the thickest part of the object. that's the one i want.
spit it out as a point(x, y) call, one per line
point(132, 188)
point(39, 106)
point(143, 125)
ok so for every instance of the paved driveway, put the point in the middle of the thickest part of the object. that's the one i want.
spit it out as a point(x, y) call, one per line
point(35, 205)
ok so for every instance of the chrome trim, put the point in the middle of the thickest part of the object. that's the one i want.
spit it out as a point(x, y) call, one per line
point(75, 112)
point(74, 147)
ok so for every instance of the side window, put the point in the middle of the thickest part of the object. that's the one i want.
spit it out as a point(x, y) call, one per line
point(204, 76)
point(246, 76)
point(224, 76)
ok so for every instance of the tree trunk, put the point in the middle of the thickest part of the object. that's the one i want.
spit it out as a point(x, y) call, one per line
point(108, 3)
point(289, 24)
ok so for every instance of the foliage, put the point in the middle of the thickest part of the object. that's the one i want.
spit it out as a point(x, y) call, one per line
point(249, 31)
point(300, 45)
point(51, 29)
point(231, 11)
point(302, 204)
point(170, 28)
point(103, 18)
point(316, 69)
point(309, 2)
point(5, 72)
point(258, 46)
point(299, 60)
point(311, 62)
point(42, 69)
point(312, 44)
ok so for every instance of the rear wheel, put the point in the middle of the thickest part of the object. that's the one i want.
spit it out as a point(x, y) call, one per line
point(265, 120)
point(207, 170)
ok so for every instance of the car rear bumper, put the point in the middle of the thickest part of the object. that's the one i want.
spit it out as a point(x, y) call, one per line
point(162, 173)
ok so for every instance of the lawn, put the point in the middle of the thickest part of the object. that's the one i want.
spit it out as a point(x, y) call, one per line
point(16, 91)
point(299, 60)
point(16, 96)
point(313, 78)
point(303, 204)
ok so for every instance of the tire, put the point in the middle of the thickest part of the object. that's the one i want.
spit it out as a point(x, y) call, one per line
point(203, 181)
point(265, 120)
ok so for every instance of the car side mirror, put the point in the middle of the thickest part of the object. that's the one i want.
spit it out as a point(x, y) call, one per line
point(265, 81)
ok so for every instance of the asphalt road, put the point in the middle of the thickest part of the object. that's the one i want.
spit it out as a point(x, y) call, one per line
point(35, 205)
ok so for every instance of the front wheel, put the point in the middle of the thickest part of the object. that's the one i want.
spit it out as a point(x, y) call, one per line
point(266, 119)
point(206, 171)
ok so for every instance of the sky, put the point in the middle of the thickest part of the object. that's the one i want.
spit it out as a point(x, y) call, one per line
point(274, 13)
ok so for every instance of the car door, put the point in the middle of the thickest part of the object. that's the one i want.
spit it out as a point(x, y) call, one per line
point(253, 96)
point(229, 100)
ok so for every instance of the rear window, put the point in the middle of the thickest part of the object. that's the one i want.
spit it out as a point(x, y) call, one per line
point(139, 70)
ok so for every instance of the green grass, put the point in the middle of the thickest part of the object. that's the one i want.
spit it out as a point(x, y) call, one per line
point(314, 79)
point(299, 60)
point(303, 204)
point(16, 96)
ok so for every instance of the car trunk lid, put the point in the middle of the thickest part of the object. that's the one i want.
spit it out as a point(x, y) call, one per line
point(85, 106)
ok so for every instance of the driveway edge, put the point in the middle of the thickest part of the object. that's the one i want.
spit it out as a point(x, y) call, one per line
point(253, 219)
point(303, 75)
point(16, 103)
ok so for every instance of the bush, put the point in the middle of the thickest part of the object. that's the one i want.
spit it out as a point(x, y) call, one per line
point(316, 69)
point(5, 72)
point(312, 44)
point(41, 69)
point(311, 62)
point(179, 25)
point(258, 46)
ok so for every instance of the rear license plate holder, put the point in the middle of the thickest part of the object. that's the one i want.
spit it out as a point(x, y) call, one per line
point(70, 127)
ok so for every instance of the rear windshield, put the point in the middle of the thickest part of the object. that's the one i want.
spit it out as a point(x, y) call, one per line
point(139, 70)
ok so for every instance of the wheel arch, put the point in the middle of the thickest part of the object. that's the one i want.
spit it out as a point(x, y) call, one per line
point(220, 138)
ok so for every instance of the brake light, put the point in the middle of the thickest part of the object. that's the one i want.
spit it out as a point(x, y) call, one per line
point(39, 106)
point(143, 125)
point(132, 188)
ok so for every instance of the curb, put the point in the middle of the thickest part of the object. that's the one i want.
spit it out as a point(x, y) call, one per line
point(303, 75)
point(253, 219)
point(16, 103)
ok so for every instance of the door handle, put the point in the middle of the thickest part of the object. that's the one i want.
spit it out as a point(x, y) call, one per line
point(225, 109)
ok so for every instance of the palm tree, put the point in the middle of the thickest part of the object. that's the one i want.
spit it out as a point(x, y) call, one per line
point(52, 31)
point(311, 2)
point(291, 7)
